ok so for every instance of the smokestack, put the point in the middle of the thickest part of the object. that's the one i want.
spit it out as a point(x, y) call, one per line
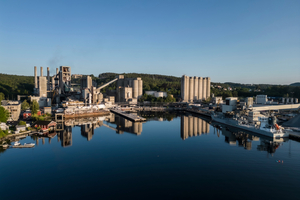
point(48, 78)
point(35, 77)
point(41, 71)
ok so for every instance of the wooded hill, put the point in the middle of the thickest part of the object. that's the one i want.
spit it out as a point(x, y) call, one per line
point(12, 85)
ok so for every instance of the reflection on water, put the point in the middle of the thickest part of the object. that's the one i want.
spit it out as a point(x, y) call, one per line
point(190, 126)
point(193, 126)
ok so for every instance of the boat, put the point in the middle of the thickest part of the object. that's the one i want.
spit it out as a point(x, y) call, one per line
point(17, 143)
point(25, 145)
point(263, 127)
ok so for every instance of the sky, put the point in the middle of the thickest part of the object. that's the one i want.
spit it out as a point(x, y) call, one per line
point(243, 41)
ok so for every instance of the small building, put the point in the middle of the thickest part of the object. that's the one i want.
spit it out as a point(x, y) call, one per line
point(20, 128)
point(261, 99)
point(47, 110)
point(230, 104)
point(217, 100)
point(14, 109)
point(157, 94)
point(44, 125)
point(3, 126)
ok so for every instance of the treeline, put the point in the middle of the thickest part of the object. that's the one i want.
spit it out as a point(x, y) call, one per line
point(13, 85)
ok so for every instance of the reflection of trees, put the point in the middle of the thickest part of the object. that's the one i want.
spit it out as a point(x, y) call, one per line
point(150, 115)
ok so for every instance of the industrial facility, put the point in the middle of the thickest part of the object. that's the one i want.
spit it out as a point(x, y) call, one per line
point(57, 89)
point(194, 89)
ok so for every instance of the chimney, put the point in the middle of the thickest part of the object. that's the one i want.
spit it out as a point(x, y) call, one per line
point(35, 77)
point(41, 71)
point(48, 78)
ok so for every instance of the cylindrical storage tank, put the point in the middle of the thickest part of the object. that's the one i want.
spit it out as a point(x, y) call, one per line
point(296, 100)
point(191, 97)
point(135, 89)
point(195, 125)
point(196, 88)
point(191, 126)
point(140, 90)
point(283, 100)
point(41, 71)
point(182, 89)
point(204, 89)
point(292, 100)
point(187, 88)
point(199, 126)
point(208, 87)
point(56, 70)
point(287, 100)
point(35, 77)
point(200, 88)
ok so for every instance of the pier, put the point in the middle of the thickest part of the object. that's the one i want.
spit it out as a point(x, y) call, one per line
point(129, 116)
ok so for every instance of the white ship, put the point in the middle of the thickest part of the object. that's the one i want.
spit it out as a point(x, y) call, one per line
point(264, 126)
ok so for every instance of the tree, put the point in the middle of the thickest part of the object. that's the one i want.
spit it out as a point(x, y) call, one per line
point(25, 105)
point(34, 107)
point(4, 114)
point(21, 123)
point(2, 96)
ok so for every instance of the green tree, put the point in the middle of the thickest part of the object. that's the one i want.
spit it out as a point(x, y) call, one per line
point(2, 96)
point(34, 107)
point(4, 114)
point(25, 105)
point(21, 123)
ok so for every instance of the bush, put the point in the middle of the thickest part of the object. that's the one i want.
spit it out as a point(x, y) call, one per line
point(21, 123)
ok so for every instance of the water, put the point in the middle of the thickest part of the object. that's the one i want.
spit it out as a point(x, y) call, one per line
point(182, 157)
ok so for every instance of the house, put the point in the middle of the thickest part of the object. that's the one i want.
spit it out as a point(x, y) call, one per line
point(3, 126)
point(21, 128)
point(44, 125)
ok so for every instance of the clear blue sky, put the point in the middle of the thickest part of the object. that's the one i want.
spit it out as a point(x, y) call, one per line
point(238, 41)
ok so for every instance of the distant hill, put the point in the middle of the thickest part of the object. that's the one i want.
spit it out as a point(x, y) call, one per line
point(295, 84)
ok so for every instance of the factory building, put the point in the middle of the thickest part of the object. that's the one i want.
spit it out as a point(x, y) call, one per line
point(129, 89)
point(156, 94)
point(195, 88)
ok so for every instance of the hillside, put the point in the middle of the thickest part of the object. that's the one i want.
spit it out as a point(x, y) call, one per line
point(295, 84)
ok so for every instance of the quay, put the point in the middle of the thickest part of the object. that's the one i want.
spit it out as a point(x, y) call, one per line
point(295, 135)
point(129, 116)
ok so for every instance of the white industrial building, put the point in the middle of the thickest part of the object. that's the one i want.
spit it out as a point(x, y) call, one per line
point(261, 99)
point(156, 94)
point(194, 88)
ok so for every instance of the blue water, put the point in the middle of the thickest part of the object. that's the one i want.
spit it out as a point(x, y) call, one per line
point(159, 163)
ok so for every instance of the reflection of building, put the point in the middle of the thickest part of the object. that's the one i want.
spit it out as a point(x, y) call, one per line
point(87, 130)
point(193, 126)
point(65, 136)
point(128, 126)
point(243, 139)
point(266, 145)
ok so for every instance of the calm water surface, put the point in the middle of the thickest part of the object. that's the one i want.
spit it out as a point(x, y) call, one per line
point(167, 157)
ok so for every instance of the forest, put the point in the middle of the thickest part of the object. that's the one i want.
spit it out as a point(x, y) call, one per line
point(13, 85)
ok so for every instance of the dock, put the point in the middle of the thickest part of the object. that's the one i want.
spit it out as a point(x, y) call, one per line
point(295, 135)
point(129, 116)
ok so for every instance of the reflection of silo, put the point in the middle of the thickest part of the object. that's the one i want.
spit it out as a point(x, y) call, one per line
point(203, 126)
point(200, 88)
point(140, 91)
point(135, 88)
point(208, 87)
point(199, 126)
point(140, 128)
point(195, 88)
point(135, 128)
point(195, 126)
point(204, 88)
point(207, 127)
point(191, 89)
point(248, 145)
point(191, 126)
point(186, 127)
